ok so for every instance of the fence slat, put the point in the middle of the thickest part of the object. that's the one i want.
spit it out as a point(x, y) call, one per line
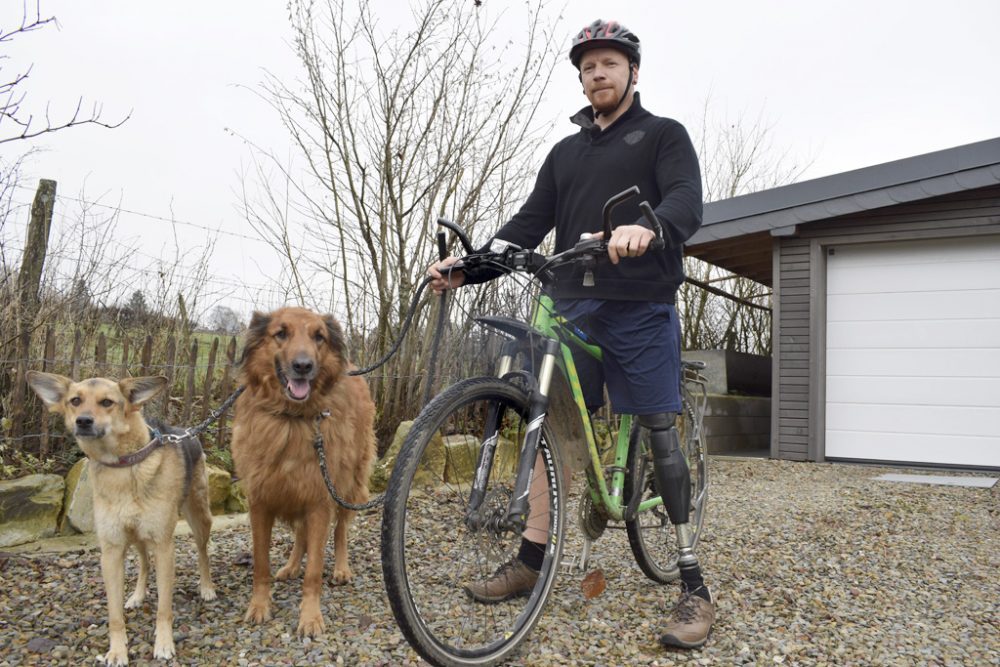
point(124, 370)
point(169, 368)
point(147, 355)
point(189, 388)
point(206, 393)
point(48, 361)
point(74, 364)
point(101, 356)
point(227, 388)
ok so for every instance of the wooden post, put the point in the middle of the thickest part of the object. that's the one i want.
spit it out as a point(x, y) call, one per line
point(74, 362)
point(168, 370)
point(28, 282)
point(147, 355)
point(206, 392)
point(48, 361)
point(189, 388)
point(124, 370)
point(227, 388)
point(101, 356)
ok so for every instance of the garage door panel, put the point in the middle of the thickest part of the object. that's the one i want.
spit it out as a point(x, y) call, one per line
point(927, 334)
point(914, 277)
point(914, 363)
point(913, 352)
point(976, 392)
point(939, 449)
point(939, 305)
point(913, 419)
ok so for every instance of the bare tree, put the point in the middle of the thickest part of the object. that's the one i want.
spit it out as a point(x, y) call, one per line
point(738, 156)
point(225, 320)
point(395, 129)
point(16, 122)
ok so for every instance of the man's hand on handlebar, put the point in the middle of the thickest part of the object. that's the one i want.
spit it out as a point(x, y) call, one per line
point(443, 279)
point(627, 241)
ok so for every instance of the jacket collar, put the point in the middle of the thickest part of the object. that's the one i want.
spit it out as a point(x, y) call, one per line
point(585, 117)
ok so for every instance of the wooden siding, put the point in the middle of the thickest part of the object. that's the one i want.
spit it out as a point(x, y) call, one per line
point(800, 266)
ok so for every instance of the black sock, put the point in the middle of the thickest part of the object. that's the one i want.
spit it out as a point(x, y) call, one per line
point(531, 554)
point(693, 581)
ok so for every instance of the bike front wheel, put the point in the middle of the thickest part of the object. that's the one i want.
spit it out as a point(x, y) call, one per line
point(650, 533)
point(430, 549)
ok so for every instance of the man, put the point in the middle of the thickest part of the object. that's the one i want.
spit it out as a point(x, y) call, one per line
point(629, 310)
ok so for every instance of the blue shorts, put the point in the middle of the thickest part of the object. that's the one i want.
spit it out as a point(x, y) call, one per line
point(641, 346)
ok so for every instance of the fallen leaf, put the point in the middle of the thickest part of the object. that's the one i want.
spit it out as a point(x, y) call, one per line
point(593, 584)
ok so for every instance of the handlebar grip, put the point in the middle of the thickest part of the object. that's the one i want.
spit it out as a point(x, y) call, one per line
point(647, 212)
point(459, 232)
point(442, 245)
point(612, 203)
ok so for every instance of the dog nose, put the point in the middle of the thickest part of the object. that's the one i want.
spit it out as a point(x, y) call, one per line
point(84, 421)
point(302, 366)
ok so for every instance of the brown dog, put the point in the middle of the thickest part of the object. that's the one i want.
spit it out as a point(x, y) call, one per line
point(139, 484)
point(294, 370)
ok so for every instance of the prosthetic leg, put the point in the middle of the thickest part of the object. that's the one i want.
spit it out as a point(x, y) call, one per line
point(673, 483)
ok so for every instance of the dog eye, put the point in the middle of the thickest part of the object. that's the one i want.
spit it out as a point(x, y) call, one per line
point(106, 403)
point(281, 334)
point(319, 337)
point(75, 401)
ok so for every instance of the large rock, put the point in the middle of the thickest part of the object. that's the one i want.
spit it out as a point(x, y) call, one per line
point(462, 453)
point(432, 468)
point(29, 508)
point(219, 483)
point(78, 501)
point(237, 502)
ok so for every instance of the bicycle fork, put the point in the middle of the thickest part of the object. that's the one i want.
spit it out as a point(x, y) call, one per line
point(517, 513)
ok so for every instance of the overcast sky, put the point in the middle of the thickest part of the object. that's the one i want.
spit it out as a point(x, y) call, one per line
point(843, 83)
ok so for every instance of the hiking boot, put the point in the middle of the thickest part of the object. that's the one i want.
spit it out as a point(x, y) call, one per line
point(511, 579)
point(690, 622)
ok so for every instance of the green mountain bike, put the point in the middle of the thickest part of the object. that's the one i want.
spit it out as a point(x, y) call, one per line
point(485, 449)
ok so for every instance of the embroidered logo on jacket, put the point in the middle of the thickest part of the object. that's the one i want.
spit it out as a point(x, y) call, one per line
point(632, 138)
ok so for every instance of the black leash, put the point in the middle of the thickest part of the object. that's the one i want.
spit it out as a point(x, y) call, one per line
point(402, 334)
point(321, 454)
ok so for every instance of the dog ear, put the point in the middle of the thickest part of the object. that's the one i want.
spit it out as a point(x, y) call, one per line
point(256, 332)
point(336, 335)
point(139, 390)
point(50, 388)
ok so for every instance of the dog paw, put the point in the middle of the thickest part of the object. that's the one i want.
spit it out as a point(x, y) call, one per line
point(115, 658)
point(135, 600)
point(163, 648)
point(288, 572)
point(310, 625)
point(207, 592)
point(342, 576)
point(258, 612)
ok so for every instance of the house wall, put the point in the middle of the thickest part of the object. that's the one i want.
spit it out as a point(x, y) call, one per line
point(799, 374)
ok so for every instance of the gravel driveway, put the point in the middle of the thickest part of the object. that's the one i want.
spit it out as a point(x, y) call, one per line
point(812, 564)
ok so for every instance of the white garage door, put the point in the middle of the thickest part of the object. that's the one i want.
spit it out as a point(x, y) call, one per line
point(913, 352)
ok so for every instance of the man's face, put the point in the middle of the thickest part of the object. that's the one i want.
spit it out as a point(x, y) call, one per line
point(604, 74)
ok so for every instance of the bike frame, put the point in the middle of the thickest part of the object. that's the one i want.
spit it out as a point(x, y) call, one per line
point(549, 323)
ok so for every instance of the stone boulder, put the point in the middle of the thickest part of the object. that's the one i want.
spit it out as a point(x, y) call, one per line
point(29, 508)
point(462, 453)
point(78, 500)
point(237, 500)
point(432, 468)
point(219, 483)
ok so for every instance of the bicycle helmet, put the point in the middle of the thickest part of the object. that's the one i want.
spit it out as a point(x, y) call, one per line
point(601, 34)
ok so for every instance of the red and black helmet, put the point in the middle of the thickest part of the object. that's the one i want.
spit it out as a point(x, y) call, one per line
point(603, 35)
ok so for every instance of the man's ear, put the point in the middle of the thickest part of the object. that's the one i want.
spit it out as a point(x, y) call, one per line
point(139, 390)
point(50, 388)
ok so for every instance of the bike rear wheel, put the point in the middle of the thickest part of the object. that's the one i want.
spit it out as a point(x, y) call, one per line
point(429, 552)
point(650, 534)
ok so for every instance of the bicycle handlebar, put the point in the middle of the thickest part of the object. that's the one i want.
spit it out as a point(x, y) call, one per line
point(586, 251)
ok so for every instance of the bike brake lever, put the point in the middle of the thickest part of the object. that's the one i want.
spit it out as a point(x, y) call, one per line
point(647, 212)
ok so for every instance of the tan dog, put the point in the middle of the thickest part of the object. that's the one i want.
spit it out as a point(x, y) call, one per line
point(294, 369)
point(137, 492)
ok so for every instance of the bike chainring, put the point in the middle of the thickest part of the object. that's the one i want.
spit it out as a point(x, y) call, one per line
point(593, 520)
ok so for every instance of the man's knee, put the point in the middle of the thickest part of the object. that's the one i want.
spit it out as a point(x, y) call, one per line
point(658, 421)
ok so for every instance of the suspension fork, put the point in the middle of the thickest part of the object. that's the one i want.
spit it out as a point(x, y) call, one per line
point(487, 448)
point(538, 406)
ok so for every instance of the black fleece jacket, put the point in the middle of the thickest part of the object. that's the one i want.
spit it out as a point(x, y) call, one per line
point(583, 170)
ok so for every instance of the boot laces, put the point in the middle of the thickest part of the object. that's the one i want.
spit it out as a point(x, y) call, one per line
point(687, 608)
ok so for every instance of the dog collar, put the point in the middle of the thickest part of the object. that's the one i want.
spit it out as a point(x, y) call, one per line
point(138, 456)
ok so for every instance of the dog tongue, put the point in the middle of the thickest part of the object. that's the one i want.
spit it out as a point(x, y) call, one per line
point(298, 388)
